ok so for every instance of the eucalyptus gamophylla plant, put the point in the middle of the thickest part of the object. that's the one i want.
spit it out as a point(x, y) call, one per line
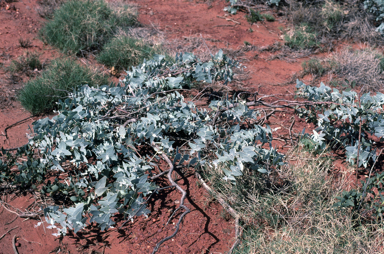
point(341, 117)
point(97, 136)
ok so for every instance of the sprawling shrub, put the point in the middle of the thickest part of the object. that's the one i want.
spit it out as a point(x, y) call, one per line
point(377, 8)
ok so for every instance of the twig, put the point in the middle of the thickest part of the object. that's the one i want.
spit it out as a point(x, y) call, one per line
point(15, 124)
point(366, 183)
point(184, 195)
point(20, 214)
point(12, 149)
point(238, 233)
point(11, 221)
point(234, 21)
point(359, 146)
point(265, 118)
point(288, 104)
point(14, 245)
point(228, 208)
point(158, 175)
point(290, 129)
point(30, 241)
point(228, 19)
point(6, 208)
point(225, 25)
point(1, 237)
point(129, 121)
point(206, 45)
point(200, 93)
point(243, 6)
point(30, 215)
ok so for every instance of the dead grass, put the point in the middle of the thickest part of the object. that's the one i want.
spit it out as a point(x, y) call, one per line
point(150, 35)
point(361, 67)
point(47, 8)
point(333, 20)
point(196, 44)
point(123, 9)
point(292, 210)
point(29, 64)
point(350, 68)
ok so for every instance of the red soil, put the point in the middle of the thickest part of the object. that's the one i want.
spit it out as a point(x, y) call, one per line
point(204, 230)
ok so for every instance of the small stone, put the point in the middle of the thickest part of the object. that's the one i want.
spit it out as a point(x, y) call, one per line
point(151, 13)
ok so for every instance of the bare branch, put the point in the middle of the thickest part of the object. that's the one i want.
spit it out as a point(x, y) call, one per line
point(1, 237)
point(184, 195)
point(227, 207)
point(15, 124)
point(14, 244)
point(159, 175)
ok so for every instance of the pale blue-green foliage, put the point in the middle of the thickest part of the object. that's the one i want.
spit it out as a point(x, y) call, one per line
point(274, 2)
point(109, 124)
point(338, 116)
point(244, 148)
point(377, 8)
point(232, 9)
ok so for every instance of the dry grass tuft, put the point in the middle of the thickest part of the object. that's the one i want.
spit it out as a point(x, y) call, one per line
point(332, 20)
point(123, 9)
point(196, 44)
point(359, 28)
point(47, 8)
point(291, 211)
point(150, 35)
point(362, 67)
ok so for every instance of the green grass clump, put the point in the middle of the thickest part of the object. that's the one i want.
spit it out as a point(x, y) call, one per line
point(46, 8)
point(254, 17)
point(28, 62)
point(332, 14)
point(268, 17)
point(301, 37)
point(84, 25)
point(337, 83)
point(380, 57)
point(61, 77)
point(123, 52)
point(313, 66)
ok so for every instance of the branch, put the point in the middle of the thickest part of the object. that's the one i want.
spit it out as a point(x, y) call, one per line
point(290, 129)
point(228, 208)
point(289, 104)
point(12, 149)
point(26, 214)
point(14, 244)
point(184, 195)
point(1, 237)
point(359, 146)
point(159, 175)
point(15, 124)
